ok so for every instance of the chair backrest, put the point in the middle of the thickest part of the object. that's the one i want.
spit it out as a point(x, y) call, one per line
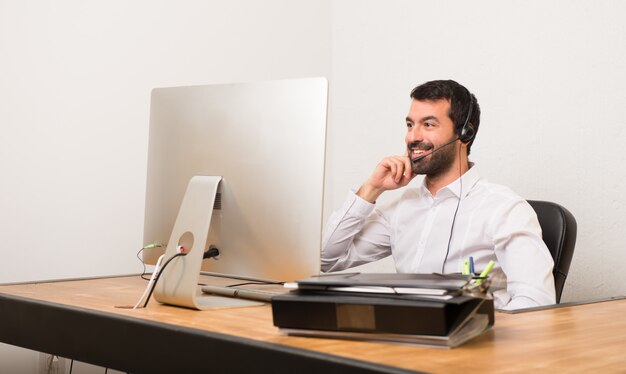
point(559, 234)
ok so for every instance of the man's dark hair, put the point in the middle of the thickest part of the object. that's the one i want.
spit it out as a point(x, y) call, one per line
point(460, 100)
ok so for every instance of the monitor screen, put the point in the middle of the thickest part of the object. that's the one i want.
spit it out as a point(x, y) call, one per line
point(266, 141)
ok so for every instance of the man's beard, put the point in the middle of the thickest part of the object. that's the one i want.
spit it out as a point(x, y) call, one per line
point(439, 163)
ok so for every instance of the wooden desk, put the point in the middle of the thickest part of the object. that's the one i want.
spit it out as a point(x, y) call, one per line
point(78, 319)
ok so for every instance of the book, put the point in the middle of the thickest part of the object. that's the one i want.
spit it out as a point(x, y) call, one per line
point(385, 283)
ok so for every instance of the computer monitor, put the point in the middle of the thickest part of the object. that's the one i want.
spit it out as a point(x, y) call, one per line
point(266, 141)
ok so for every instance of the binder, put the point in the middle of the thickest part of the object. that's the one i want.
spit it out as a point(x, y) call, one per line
point(315, 308)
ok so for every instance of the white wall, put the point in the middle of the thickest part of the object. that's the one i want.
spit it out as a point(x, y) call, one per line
point(551, 80)
point(75, 81)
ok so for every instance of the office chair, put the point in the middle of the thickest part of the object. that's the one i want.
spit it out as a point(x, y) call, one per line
point(559, 234)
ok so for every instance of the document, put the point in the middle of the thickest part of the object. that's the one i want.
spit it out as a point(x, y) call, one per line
point(385, 283)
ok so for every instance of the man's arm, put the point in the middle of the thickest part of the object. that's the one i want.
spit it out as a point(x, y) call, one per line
point(356, 234)
point(523, 256)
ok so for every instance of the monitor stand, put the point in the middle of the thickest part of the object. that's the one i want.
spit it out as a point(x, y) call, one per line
point(178, 283)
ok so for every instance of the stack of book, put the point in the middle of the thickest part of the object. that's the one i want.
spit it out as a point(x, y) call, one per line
point(429, 309)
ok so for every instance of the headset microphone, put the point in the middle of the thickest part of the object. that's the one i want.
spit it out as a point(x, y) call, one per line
point(430, 153)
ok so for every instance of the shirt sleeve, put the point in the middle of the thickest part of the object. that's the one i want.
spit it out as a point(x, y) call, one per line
point(354, 235)
point(523, 256)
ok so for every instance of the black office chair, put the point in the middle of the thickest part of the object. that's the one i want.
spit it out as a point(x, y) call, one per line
point(559, 234)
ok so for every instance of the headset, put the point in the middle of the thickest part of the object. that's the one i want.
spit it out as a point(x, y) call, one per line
point(466, 134)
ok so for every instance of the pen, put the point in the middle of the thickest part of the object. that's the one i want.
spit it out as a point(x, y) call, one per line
point(466, 267)
point(471, 265)
point(485, 272)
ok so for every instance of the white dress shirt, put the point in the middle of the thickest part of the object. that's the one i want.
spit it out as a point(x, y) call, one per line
point(492, 223)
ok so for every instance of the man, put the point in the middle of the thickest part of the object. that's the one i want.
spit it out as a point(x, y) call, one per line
point(452, 215)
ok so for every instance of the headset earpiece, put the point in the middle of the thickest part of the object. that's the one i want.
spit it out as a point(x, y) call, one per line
point(467, 133)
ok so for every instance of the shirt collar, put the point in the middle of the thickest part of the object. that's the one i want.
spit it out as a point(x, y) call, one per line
point(460, 186)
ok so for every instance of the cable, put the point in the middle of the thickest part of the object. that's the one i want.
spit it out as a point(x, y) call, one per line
point(51, 362)
point(212, 252)
point(143, 273)
point(159, 275)
point(152, 281)
point(455, 212)
point(149, 246)
point(268, 283)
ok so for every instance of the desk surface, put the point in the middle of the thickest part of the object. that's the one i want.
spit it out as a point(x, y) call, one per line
point(590, 337)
